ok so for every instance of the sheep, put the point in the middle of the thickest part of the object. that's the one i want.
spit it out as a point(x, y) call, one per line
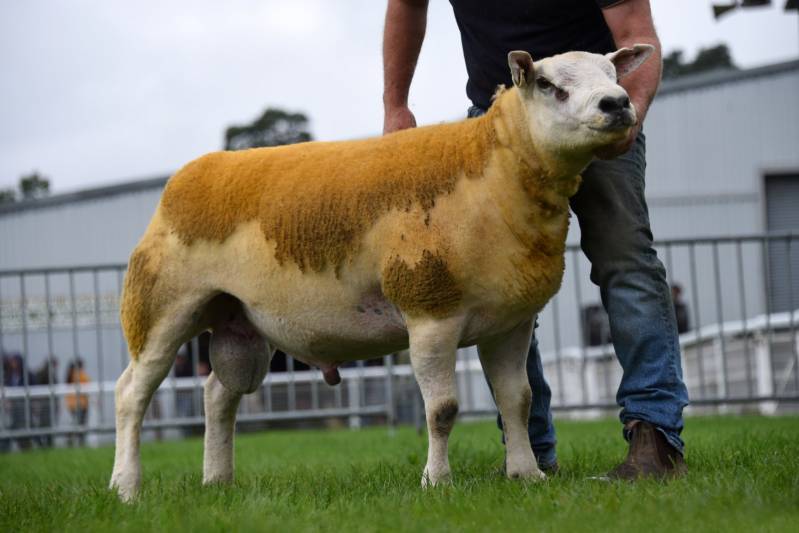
point(431, 239)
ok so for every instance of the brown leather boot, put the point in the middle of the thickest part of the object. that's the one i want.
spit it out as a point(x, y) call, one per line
point(650, 455)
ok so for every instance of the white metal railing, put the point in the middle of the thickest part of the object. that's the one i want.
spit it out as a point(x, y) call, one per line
point(739, 349)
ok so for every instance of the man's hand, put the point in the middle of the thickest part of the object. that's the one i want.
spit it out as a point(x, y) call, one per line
point(398, 118)
point(630, 22)
point(406, 22)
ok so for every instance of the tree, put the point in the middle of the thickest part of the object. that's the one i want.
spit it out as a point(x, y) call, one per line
point(31, 187)
point(707, 59)
point(8, 196)
point(673, 65)
point(274, 127)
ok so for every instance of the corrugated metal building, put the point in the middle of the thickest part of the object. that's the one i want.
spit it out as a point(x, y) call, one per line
point(723, 160)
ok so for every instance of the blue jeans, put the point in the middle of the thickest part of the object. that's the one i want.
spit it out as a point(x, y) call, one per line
point(616, 238)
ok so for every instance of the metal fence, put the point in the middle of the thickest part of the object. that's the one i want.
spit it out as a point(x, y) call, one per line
point(740, 352)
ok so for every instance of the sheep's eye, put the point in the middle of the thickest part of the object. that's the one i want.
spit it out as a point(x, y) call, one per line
point(543, 83)
point(561, 95)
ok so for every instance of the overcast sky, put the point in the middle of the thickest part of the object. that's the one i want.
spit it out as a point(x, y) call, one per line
point(96, 91)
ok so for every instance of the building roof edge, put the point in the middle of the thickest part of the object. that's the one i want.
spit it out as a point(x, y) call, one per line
point(723, 76)
point(85, 195)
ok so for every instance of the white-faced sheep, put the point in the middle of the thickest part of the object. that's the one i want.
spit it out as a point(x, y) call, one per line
point(431, 238)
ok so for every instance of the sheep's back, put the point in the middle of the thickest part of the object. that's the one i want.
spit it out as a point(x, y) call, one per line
point(315, 200)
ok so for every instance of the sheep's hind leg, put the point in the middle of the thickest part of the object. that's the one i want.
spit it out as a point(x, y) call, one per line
point(241, 357)
point(433, 345)
point(220, 425)
point(504, 360)
point(134, 390)
point(178, 322)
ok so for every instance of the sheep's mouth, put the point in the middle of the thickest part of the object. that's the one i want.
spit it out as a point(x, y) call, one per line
point(615, 126)
point(615, 122)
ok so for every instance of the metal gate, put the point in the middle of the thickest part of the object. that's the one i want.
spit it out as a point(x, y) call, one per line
point(739, 352)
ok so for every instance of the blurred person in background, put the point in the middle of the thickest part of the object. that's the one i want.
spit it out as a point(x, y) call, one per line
point(45, 412)
point(184, 398)
point(77, 402)
point(14, 376)
point(680, 309)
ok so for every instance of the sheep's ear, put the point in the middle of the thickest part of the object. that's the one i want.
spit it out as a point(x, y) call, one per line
point(629, 59)
point(521, 67)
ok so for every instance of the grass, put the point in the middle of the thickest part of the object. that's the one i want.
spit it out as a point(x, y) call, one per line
point(744, 475)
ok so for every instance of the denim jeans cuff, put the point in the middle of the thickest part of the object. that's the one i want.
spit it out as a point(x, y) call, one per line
point(672, 437)
point(546, 457)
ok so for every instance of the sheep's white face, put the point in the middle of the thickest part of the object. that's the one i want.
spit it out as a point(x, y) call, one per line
point(574, 101)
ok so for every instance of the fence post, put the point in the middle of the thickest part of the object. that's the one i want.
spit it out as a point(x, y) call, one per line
point(25, 351)
point(2, 368)
point(765, 381)
point(591, 383)
point(721, 374)
point(391, 417)
point(354, 400)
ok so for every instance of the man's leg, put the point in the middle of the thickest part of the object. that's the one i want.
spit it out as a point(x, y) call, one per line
point(616, 238)
point(539, 424)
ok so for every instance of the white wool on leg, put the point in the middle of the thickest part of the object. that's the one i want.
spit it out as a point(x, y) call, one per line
point(220, 427)
point(433, 345)
point(133, 392)
point(504, 362)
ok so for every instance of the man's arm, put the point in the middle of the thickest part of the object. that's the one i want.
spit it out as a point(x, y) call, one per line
point(630, 22)
point(406, 21)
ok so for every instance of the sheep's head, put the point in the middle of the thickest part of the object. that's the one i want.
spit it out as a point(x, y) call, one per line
point(573, 100)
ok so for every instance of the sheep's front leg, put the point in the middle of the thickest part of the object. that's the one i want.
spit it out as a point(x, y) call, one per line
point(504, 359)
point(432, 346)
point(220, 426)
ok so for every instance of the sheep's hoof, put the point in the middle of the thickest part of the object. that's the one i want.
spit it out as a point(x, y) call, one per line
point(438, 479)
point(126, 492)
point(218, 480)
point(534, 474)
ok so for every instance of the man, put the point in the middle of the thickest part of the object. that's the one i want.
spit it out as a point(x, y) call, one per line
point(44, 411)
point(610, 205)
point(680, 309)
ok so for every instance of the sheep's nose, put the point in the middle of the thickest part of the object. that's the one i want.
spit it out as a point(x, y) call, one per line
point(610, 104)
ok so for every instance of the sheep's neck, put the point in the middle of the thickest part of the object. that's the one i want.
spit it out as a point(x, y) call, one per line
point(532, 192)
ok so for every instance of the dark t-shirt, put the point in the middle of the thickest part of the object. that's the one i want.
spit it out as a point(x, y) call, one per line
point(489, 30)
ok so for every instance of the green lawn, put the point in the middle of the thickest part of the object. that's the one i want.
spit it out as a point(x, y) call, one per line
point(744, 475)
